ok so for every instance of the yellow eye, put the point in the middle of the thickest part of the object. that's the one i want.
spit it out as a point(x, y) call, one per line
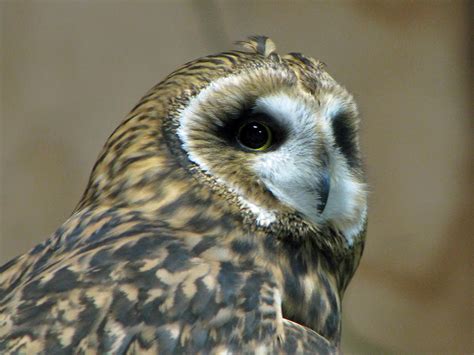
point(255, 136)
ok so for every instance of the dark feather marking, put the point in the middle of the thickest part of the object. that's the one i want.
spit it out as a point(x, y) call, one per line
point(142, 247)
point(324, 187)
point(215, 60)
point(183, 200)
point(302, 59)
point(123, 144)
point(167, 341)
point(242, 246)
point(251, 322)
point(85, 321)
point(199, 338)
point(229, 279)
point(269, 316)
point(203, 302)
point(251, 292)
point(290, 345)
point(124, 309)
point(177, 259)
point(267, 300)
point(151, 313)
point(129, 161)
point(270, 244)
point(203, 245)
point(41, 263)
point(54, 346)
point(331, 327)
point(125, 134)
point(62, 281)
point(261, 45)
point(36, 250)
point(18, 277)
point(127, 343)
point(200, 223)
point(345, 136)
point(318, 306)
point(179, 310)
point(97, 261)
point(230, 57)
point(31, 312)
point(107, 340)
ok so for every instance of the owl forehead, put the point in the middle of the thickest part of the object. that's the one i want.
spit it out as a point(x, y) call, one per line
point(240, 90)
point(197, 74)
point(235, 76)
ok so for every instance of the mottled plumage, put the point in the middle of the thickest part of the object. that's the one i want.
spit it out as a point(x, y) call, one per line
point(187, 241)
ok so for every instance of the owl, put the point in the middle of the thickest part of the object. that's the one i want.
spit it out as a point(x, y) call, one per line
point(226, 214)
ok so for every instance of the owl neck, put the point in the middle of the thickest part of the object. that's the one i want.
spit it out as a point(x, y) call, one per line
point(312, 283)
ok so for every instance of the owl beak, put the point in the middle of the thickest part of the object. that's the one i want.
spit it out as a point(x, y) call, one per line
point(323, 189)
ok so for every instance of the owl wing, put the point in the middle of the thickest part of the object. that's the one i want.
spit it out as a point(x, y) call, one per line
point(117, 283)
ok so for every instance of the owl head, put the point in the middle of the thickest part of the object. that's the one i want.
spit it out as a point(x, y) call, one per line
point(269, 139)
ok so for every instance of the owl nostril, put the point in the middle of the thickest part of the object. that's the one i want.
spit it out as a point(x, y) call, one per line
point(323, 189)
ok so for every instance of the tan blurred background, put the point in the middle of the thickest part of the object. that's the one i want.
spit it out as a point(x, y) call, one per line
point(71, 70)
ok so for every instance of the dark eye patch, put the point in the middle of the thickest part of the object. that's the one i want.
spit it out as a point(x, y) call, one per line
point(233, 124)
point(345, 135)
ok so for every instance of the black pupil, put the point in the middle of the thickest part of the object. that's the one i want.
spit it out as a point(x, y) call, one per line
point(253, 135)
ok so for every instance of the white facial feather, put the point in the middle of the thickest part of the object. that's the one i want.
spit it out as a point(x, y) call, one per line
point(291, 172)
point(189, 114)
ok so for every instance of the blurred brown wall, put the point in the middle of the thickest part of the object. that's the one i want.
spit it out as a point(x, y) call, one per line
point(70, 71)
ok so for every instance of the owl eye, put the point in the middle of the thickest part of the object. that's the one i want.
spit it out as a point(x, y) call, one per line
point(255, 136)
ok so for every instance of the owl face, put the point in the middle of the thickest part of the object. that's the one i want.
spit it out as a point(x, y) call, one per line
point(282, 141)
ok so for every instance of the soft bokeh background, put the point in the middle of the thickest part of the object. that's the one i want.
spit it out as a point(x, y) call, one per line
point(71, 70)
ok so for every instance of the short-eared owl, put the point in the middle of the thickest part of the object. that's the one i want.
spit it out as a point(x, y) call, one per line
point(225, 214)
